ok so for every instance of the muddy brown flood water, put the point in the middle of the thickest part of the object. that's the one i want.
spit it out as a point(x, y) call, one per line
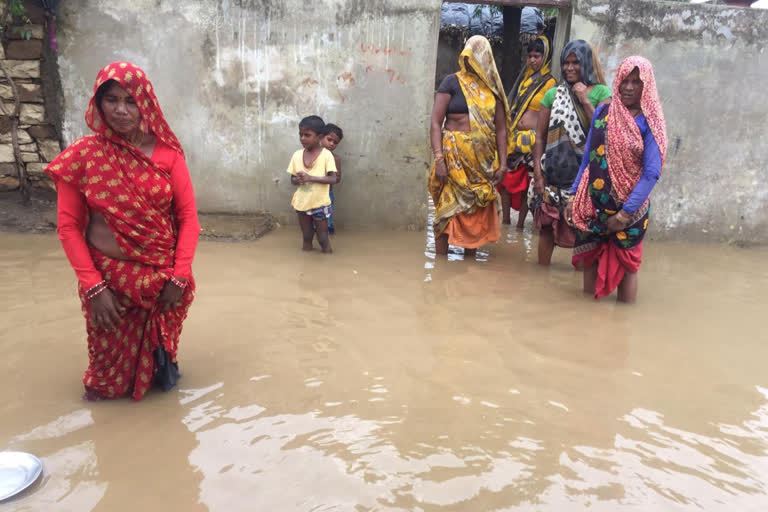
point(379, 379)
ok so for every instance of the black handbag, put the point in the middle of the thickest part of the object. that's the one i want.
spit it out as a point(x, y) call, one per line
point(166, 371)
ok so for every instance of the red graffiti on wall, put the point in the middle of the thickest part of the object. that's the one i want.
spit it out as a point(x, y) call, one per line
point(382, 60)
point(392, 75)
point(384, 50)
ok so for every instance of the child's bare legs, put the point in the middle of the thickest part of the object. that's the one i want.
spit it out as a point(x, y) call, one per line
point(322, 235)
point(628, 288)
point(590, 278)
point(506, 205)
point(441, 245)
point(546, 244)
point(469, 253)
point(307, 230)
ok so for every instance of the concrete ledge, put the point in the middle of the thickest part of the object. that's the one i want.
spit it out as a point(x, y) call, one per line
point(39, 216)
point(235, 228)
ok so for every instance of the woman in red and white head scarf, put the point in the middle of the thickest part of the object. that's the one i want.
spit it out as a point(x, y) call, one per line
point(128, 223)
point(624, 156)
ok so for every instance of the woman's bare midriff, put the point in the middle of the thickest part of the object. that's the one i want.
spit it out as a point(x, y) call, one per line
point(528, 121)
point(99, 236)
point(457, 123)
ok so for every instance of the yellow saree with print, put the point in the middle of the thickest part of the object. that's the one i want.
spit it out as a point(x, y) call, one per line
point(527, 93)
point(467, 205)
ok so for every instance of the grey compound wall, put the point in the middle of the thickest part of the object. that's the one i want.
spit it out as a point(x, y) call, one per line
point(711, 68)
point(235, 76)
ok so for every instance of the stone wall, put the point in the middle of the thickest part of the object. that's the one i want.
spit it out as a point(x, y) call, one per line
point(710, 63)
point(38, 138)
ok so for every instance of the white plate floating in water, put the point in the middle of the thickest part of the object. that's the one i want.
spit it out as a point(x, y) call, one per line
point(18, 470)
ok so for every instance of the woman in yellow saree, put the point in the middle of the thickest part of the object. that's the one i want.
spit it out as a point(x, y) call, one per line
point(469, 141)
point(525, 103)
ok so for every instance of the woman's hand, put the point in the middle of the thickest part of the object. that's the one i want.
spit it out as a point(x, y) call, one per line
point(171, 294)
point(500, 173)
point(569, 213)
point(106, 311)
point(539, 184)
point(581, 92)
point(617, 222)
point(441, 171)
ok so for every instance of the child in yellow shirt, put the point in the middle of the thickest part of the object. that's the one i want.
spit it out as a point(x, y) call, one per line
point(313, 171)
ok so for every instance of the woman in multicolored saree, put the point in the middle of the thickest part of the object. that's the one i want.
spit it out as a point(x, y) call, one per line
point(469, 142)
point(525, 103)
point(626, 149)
point(128, 223)
point(563, 125)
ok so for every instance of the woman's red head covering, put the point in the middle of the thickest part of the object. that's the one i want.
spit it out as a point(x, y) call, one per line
point(135, 81)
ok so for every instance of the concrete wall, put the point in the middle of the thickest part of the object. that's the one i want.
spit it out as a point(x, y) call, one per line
point(711, 67)
point(235, 76)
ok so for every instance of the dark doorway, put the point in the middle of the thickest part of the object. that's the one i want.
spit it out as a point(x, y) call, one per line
point(501, 24)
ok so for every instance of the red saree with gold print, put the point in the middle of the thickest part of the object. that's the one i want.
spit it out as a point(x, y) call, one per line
point(134, 195)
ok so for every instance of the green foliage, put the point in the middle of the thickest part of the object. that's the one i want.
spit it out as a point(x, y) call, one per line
point(15, 16)
point(24, 32)
point(16, 9)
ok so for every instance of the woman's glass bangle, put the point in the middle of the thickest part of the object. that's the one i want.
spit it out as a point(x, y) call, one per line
point(178, 282)
point(96, 289)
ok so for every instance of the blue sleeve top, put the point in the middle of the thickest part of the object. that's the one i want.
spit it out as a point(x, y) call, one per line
point(587, 145)
point(651, 164)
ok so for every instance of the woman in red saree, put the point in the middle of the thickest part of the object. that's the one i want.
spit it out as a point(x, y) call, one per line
point(128, 223)
point(609, 202)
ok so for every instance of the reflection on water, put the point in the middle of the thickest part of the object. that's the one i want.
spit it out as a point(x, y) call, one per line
point(667, 467)
point(69, 480)
point(521, 237)
point(455, 253)
point(60, 426)
point(338, 461)
point(374, 381)
point(347, 461)
point(512, 237)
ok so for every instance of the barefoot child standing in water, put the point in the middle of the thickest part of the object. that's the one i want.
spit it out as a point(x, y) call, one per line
point(332, 136)
point(313, 170)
